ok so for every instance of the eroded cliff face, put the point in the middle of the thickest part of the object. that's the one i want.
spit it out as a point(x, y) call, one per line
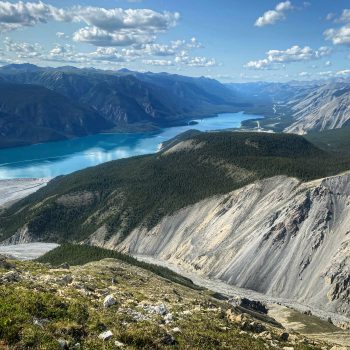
point(322, 109)
point(277, 236)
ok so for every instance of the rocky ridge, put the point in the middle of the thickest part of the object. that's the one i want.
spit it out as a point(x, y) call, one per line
point(277, 236)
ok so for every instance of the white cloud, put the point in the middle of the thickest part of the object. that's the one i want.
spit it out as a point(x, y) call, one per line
point(274, 16)
point(339, 36)
point(328, 63)
point(304, 74)
point(158, 62)
point(330, 16)
point(23, 50)
point(196, 61)
point(327, 73)
point(120, 35)
point(343, 72)
point(101, 37)
point(345, 16)
point(62, 35)
point(293, 54)
point(158, 50)
point(25, 14)
point(105, 27)
point(259, 64)
point(109, 56)
point(338, 73)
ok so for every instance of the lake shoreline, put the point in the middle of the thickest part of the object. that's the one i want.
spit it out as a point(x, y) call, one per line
point(52, 159)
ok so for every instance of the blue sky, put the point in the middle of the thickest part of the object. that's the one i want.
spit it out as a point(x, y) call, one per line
point(229, 40)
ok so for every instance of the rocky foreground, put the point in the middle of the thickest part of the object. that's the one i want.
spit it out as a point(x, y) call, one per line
point(113, 305)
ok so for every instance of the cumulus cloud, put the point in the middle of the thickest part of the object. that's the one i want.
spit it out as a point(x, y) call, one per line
point(274, 16)
point(158, 62)
point(158, 50)
point(23, 49)
point(293, 54)
point(340, 35)
point(259, 64)
point(25, 14)
point(104, 27)
point(119, 35)
point(345, 16)
point(62, 35)
point(118, 19)
point(196, 61)
point(338, 73)
point(101, 37)
point(171, 54)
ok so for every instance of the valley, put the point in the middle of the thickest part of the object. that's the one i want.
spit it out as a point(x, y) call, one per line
point(275, 197)
point(48, 160)
point(174, 175)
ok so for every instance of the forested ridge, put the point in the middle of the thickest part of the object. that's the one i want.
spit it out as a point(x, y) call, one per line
point(124, 194)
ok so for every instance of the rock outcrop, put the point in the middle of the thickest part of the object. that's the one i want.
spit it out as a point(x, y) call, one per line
point(324, 108)
point(278, 236)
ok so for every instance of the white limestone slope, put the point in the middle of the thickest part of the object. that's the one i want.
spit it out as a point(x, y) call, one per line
point(324, 108)
point(277, 236)
point(14, 189)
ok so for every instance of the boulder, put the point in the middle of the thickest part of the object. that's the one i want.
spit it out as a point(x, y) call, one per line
point(168, 318)
point(66, 280)
point(253, 305)
point(105, 335)
point(64, 266)
point(119, 344)
point(63, 344)
point(266, 335)
point(108, 301)
point(231, 316)
point(161, 309)
point(5, 264)
point(254, 327)
point(176, 330)
point(169, 340)
point(11, 276)
point(284, 336)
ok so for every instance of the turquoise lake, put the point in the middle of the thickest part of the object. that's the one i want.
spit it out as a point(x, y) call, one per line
point(64, 157)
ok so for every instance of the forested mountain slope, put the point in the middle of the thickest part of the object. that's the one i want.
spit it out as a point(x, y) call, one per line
point(122, 195)
point(32, 114)
point(126, 98)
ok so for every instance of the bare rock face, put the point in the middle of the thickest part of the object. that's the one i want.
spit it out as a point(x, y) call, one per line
point(277, 236)
point(325, 108)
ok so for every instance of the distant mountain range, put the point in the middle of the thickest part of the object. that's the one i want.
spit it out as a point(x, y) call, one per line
point(65, 102)
point(299, 107)
point(43, 104)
